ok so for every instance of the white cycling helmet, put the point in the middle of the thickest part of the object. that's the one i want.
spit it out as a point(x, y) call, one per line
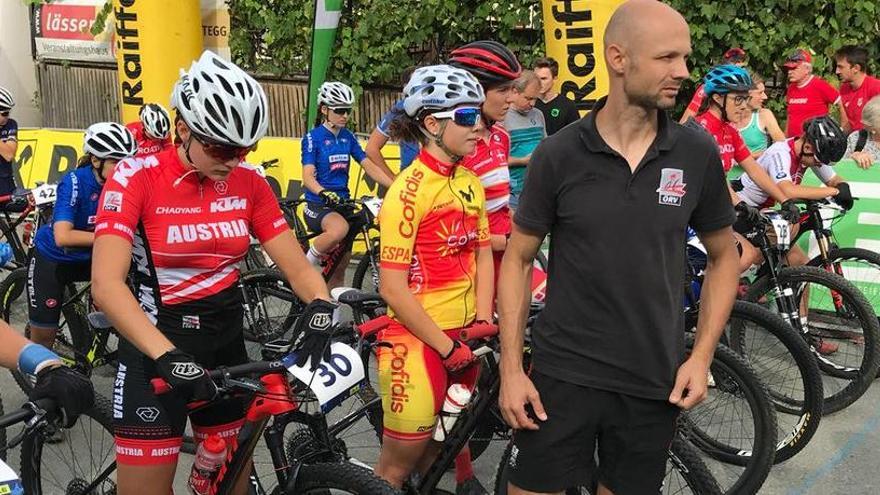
point(335, 94)
point(6, 99)
point(439, 87)
point(219, 101)
point(157, 123)
point(109, 140)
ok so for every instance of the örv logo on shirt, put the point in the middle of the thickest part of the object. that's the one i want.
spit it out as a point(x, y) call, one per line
point(190, 322)
point(671, 188)
point(112, 201)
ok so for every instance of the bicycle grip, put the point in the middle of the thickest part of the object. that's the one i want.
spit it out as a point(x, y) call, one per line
point(478, 330)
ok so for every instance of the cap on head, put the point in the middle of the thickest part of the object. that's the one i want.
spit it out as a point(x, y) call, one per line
point(798, 57)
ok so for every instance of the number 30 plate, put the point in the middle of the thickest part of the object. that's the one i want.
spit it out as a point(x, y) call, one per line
point(334, 380)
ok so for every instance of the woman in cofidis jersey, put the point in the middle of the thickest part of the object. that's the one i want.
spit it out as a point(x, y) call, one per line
point(63, 247)
point(327, 151)
point(727, 94)
point(436, 265)
point(183, 220)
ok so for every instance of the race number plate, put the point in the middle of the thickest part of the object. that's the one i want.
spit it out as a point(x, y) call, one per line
point(9, 482)
point(373, 204)
point(45, 194)
point(334, 380)
point(783, 231)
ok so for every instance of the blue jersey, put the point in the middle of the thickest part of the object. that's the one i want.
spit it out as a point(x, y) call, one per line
point(408, 149)
point(8, 132)
point(76, 202)
point(331, 156)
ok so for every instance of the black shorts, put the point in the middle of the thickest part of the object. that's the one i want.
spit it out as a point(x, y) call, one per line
point(313, 213)
point(631, 436)
point(45, 287)
point(149, 428)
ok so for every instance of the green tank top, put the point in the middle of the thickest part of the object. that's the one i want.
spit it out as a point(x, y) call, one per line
point(754, 137)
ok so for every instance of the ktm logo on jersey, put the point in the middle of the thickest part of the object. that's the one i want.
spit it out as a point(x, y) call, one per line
point(126, 169)
point(228, 204)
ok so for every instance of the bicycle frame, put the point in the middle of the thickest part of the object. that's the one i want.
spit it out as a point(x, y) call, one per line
point(360, 222)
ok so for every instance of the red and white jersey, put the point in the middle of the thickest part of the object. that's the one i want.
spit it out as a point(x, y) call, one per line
point(782, 163)
point(697, 100)
point(730, 143)
point(854, 100)
point(489, 163)
point(805, 101)
point(188, 234)
point(146, 144)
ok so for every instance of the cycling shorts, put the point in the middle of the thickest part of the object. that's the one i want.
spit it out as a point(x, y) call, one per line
point(413, 382)
point(149, 428)
point(45, 287)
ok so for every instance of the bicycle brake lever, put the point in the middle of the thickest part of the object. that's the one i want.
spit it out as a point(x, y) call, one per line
point(244, 383)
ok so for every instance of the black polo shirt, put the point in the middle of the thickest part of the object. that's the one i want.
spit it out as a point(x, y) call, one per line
point(558, 113)
point(614, 317)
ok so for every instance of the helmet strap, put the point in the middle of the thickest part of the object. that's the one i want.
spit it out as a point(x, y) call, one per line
point(186, 145)
point(438, 140)
point(724, 117)
point(99, 171)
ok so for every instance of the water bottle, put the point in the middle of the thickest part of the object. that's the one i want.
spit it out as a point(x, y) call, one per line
point(209, 457)
point(457, 398)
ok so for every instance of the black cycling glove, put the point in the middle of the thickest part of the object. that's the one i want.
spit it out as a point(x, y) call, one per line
point(329, 197)
point(72, 391)
point(790, 211)
point(185, 377)
point(316, 327)
point(844, 196)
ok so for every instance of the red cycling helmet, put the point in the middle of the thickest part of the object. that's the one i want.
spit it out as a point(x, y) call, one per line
point(489, 61)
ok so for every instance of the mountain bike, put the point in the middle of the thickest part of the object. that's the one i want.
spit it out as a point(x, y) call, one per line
point(819, 305)
point(28, 209)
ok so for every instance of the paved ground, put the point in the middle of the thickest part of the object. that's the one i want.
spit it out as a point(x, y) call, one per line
point(841, 459)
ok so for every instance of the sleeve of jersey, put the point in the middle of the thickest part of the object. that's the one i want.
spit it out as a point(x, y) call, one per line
point(11, 131)
point(267, 221)
point(121, 205)
point(778, 167)
point(399, 220)
point(356, 151)
point(308, 149)
point(697, 100)
point(64, 200)
point(741, 151)
point(713, 210)
point(483, 233)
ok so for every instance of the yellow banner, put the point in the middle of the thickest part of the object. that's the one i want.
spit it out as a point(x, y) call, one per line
point(154, 40)
point(45, 155)
point(573, 31)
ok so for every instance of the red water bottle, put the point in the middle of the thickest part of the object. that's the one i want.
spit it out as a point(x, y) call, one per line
point(209, 457)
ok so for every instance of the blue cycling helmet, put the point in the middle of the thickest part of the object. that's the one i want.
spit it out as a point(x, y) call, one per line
point(723, 79)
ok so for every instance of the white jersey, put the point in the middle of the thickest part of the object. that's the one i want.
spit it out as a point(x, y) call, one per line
point(782, 164)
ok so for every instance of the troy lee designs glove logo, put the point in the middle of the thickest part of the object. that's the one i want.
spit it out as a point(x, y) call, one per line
point(320, 321)
point(186, 371)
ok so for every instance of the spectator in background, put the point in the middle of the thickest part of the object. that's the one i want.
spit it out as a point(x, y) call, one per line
point(735, 56)
point(863, 145)
point(8, 142)
point(758, 126)
point(807, 96)
point(558, 110)
point(527, 128)
point(408, 150)
point(856, 86)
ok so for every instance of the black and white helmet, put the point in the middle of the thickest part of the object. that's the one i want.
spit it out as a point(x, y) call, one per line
point(6, 99)
point(109, 140)
point(155, 119)
point(335, 94)
point(221, 102)
point(440, 87)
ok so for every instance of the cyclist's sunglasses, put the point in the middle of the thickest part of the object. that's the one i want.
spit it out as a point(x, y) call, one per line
point(740, 99)
point(341, 110)
point(221, 152)
point(464, 116)
point(4, 113)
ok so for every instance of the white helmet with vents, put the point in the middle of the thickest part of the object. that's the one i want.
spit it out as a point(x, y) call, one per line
point(109, 140)
point(335, 94)
point(221, 102)
point(155, 119)
point(439, 87)
point(6, 99)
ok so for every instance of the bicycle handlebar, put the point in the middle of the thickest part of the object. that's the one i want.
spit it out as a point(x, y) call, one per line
point(219, 375)
point(27, 411)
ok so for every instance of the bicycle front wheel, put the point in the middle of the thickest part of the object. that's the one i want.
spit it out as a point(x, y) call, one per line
point(319, 479)
point(271, 308)
point(70, 461)
point(838, 323)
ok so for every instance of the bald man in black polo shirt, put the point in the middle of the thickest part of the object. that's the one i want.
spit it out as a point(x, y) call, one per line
point(616, 191)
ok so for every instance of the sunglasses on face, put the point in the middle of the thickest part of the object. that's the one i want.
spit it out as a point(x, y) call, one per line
point(4, 114)
point(341, 111)
point(465, 116)
point(221, 152)
point(740, 99)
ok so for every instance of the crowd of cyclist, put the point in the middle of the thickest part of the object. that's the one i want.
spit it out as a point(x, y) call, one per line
point(167, 206)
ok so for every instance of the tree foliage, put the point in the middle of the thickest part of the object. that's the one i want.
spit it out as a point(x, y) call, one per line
point(377, 39)
point(768, 30)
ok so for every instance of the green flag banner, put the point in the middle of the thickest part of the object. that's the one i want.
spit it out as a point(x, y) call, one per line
point(327, 13)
